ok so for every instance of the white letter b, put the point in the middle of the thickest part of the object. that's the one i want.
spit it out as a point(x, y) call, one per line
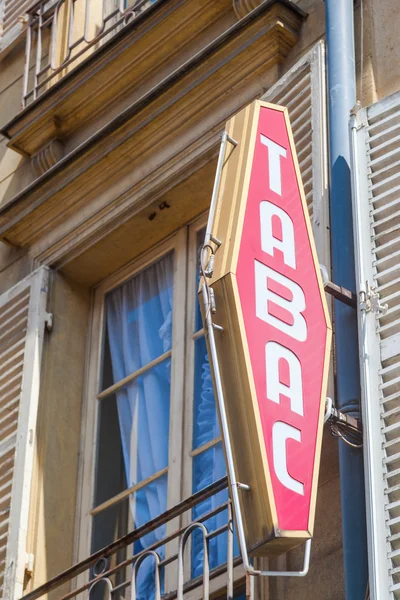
point(295, 306)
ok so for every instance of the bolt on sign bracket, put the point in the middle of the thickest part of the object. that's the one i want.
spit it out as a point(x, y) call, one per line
point(259, 253)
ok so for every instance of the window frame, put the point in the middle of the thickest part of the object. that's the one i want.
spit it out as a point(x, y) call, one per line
point(88, 444)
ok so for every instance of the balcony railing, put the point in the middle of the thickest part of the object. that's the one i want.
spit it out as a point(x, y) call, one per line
point(113, 571)
point(61, 34)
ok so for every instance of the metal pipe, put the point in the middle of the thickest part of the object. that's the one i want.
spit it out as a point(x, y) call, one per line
point(229, 557)
point(206, 564)
point(27, 61)
point(342, 97)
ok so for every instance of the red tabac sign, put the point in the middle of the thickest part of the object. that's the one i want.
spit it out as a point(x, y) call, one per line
point(275, 345)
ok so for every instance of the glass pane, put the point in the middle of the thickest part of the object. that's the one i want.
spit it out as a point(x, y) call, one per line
point(205, 418)
point(133, 433)
point(144, 410)
point(146, 504)
point(110, 477)
point(139, 318)
point(199, 244)
point(149, 502)
point(110, 524)
point(209, 466)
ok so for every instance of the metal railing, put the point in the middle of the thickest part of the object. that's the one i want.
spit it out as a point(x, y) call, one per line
point(61, 34)
point(112, 572)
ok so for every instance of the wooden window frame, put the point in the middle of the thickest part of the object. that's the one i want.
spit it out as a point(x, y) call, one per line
point(177, 244)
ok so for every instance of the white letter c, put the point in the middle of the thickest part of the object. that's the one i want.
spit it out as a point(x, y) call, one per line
point(280, 433)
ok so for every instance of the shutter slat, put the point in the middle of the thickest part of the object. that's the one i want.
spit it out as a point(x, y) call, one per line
point(12, 21)
point(13, 10)
point(14, 308)
point(295, 90)
point(12, 350)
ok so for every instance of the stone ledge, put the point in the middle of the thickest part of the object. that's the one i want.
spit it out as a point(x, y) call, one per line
point(132, 56)
point(160, 118)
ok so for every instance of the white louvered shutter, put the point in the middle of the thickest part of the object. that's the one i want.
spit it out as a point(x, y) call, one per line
point(302, 90)
point(12, 20)
point(376, 178)
point(22, 323)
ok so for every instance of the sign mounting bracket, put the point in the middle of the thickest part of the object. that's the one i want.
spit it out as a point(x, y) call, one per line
point(235, 486)
point(337, 291)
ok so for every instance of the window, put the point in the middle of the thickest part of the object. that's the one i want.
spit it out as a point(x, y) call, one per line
point(152, 435)
point(135, 401)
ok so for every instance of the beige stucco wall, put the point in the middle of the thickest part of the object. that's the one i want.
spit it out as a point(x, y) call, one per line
point(54, 491)
point(381, 44)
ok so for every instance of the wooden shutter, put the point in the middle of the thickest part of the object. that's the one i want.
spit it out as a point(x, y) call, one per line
point(22, 322)
point(376, 177)
point(12, 22)
point(302, 90)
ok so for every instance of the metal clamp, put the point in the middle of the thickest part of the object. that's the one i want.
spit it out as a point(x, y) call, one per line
point(343, 426)
point(370, 301)
point(333, 415)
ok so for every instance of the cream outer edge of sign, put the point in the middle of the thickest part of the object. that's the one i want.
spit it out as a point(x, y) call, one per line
point(244, 132)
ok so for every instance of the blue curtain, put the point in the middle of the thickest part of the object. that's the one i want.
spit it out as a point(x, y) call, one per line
point(209, 466)
point(139, 326)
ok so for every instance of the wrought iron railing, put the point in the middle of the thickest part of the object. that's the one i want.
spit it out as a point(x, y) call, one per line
point(62, 33)
point(113, 571)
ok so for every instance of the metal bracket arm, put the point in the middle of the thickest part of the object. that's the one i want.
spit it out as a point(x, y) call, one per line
point(337, 291)
point(236, 486)
point(341, 293)
point(334, 416)
point(302, 573)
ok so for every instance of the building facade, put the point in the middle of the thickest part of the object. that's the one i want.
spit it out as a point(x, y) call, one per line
point(112, 473)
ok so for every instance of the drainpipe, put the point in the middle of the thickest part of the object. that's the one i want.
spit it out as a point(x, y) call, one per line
point(342, 98)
